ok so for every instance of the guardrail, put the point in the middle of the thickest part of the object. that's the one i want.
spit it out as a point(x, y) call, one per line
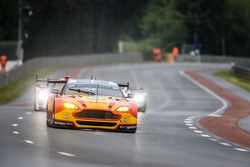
point(70, 61)
point(241, 71)
point(214, 59)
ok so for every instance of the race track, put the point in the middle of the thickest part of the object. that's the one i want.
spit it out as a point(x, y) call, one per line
point(162, 138)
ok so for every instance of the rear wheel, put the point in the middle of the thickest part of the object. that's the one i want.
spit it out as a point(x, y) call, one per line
point(145, 108)
point(36, 108)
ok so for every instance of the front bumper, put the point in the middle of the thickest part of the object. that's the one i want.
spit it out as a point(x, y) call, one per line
point(127, 122)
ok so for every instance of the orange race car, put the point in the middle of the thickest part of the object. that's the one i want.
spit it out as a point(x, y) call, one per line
point(92, 104)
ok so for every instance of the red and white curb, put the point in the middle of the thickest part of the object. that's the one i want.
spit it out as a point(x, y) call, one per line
point(189, 122)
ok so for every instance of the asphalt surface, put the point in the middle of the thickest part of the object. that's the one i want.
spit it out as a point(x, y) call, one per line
point(162, 139)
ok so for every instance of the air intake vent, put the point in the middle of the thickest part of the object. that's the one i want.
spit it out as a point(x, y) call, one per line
point(110, 124)
point(96, 114)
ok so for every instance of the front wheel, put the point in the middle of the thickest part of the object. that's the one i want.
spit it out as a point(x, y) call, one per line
point(127, 129)
point(132, 131)
point(50, 121)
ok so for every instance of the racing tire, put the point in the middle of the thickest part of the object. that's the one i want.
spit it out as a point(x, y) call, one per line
point(47, 121)
point(50, 122)
point(144, 109)
point(35, 104)
point(132, 131)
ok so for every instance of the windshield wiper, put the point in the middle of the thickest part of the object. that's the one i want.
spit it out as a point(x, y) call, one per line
point(83, 91)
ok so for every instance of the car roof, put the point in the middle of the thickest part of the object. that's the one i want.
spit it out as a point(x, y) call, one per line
point(100, 83)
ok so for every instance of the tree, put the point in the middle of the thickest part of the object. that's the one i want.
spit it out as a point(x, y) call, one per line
point(163, 25)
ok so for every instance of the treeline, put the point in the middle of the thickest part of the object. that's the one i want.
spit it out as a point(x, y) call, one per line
point(219, 26)
point(92, 26)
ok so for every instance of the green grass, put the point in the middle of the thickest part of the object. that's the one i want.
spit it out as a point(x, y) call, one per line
point(14, 89)
point(228, 75)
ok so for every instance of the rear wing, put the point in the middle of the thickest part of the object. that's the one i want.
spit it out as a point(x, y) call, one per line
point(127, 85)
point(124, 85)
point(48, 81)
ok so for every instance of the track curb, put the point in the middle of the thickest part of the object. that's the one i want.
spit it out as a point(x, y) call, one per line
point(227, 120)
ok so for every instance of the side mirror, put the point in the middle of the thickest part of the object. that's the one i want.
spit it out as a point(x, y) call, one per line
point(130, 95)
point(55, 91)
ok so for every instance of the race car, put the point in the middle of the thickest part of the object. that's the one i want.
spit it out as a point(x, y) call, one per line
point(41, 94)
point(141, 100)
point(42, 90)
point(91, 104)
point(137, 95)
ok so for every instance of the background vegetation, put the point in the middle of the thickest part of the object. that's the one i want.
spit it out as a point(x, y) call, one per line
point(90, 26)
point(229, 76)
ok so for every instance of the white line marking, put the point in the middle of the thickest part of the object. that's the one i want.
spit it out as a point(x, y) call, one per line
point(188, 119)
point(15, 132)
point(28, 113)
point(223, 101)
point(225, 144)
point(66, 154)
point(20, 117)
point(204, 135)
point(216, 113)
point(99, 133)
point(189, 124)
point(29, 141)
point(192, 127)
point(213, 139)
point(14, 124)
point(197, 131)
point(241, 149)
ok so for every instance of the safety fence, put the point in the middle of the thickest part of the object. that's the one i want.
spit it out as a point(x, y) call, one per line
point(70, 61)
point(214, 59)
point(241, 71)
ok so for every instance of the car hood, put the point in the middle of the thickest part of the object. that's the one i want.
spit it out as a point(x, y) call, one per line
point(99, 102)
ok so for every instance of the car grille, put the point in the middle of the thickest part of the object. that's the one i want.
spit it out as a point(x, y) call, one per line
point(110, 124)
point(96, 114)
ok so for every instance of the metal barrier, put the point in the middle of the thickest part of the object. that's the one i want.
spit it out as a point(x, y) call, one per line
point(214, 59)
point(70, 61)
point(241, 71)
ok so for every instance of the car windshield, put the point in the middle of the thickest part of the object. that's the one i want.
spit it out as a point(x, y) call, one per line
point(93, 90)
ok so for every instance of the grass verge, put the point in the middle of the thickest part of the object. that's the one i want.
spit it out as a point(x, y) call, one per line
point(229, 76)
point(14, 89)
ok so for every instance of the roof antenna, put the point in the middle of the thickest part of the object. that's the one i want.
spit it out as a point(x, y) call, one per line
point(91, 71)
point(97, 88)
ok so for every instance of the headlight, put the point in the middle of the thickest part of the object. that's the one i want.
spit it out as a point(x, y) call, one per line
point(139, 97)
point(70, 106)
point(123, 109)
point(43, 95)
